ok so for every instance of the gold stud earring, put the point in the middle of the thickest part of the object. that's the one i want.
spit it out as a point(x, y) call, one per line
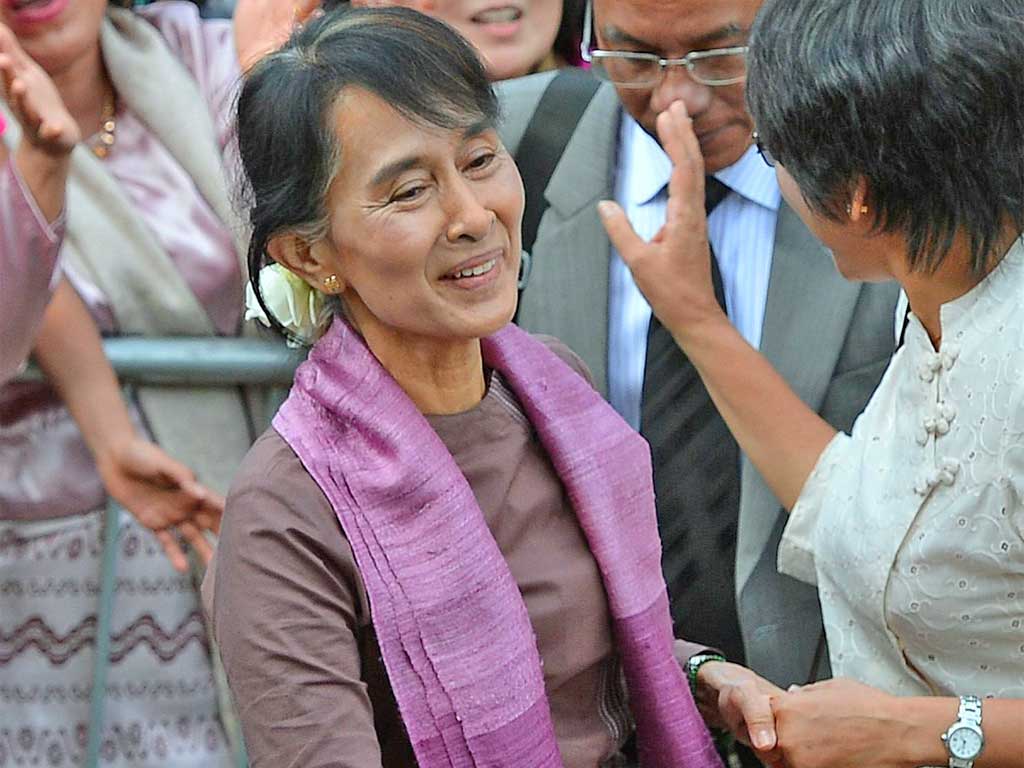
point(863, 210)
point(332, 284)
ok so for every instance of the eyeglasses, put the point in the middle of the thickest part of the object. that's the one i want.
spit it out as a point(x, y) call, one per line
point(763, 151)
point(633, 69)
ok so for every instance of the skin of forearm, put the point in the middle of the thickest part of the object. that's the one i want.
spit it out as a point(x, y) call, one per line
point(928, 719)
point(777, 431)
point(69, 350)
point(45, 175)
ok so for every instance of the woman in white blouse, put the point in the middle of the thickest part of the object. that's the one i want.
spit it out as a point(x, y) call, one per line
point(898, 130)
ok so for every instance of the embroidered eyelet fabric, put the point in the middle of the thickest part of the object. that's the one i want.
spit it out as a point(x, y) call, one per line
point(913, 526)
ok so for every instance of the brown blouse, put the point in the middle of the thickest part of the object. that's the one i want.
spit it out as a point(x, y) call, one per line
point(290, 612)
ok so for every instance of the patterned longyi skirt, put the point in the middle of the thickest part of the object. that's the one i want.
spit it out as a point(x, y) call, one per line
point(161, 701)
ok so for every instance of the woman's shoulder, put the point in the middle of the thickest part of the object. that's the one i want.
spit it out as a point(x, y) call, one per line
point(273, 494)
point(567, 356)
point(276, 513)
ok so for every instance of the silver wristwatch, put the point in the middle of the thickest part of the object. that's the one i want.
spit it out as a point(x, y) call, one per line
point(964, 739)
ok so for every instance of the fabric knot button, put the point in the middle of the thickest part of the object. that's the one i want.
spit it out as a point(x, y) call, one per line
point(947, 411)
point(921, 487)
point(950, 354)
point(941, 427)
point(929, 424)
point(951, 465)
point(929, 368)
point(921, 436)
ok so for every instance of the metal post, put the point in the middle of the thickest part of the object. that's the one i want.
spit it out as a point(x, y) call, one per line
point(104, 622)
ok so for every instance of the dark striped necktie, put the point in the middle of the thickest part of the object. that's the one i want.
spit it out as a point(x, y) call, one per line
point(696, 480)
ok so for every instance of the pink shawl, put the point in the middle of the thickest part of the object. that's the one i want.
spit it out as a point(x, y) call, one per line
point(453, 629)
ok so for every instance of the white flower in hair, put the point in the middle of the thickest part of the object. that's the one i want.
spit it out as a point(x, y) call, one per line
point(296, 305)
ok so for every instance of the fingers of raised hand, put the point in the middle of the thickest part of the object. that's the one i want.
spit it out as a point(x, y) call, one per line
point(173, 550)
point(9, 45)
point(195, 537)
point(625, 239)
point(305, 9)
point(675, 130)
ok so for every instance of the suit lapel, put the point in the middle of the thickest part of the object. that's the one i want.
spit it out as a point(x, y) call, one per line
point(569, 279)
point(807, 317)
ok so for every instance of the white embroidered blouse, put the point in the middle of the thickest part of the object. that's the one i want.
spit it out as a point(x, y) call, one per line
point(913, 526)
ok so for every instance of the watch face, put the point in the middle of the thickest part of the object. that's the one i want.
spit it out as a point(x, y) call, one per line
point(964, 743)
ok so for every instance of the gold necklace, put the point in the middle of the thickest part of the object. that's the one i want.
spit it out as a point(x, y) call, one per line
point(103, 142)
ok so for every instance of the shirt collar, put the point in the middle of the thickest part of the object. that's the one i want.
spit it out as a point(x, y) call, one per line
point(647, 170)
point(750, 177)
point(644, 163)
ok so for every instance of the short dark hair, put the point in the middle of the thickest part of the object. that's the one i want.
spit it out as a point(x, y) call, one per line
point(287, 143)
point(923, 98)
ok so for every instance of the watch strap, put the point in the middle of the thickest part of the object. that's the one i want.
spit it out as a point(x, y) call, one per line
point(693, 665)
point(968, 715)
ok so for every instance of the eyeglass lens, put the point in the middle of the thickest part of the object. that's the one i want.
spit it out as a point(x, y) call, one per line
point(641, 70)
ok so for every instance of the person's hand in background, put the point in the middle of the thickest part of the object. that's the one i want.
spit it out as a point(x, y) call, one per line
point(262, 26)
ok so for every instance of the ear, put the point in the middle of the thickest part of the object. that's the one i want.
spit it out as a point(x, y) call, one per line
point(310, 262)
point(859, 202)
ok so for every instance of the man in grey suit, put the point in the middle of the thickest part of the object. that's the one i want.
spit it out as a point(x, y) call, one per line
point(829, 338)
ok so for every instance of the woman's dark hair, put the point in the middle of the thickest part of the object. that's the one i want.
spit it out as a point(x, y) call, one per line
point(288, 147)
point(570, 32)
point(922, 98)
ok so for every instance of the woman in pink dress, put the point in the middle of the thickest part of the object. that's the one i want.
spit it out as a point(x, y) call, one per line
point(149, 244)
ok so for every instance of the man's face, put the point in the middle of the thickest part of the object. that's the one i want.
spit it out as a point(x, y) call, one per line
point(672, 29)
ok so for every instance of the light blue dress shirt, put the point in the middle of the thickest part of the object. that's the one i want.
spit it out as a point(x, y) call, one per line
point(742, 233)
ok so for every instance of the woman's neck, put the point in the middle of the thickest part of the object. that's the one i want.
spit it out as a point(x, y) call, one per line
point(440, 377)
point(927, 292)
point(83, 85)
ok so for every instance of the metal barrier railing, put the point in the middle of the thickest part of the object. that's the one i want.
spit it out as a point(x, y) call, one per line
point(171, 361)
point(198, 361)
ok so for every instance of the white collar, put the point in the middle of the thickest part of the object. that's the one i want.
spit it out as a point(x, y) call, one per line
point(647, 170)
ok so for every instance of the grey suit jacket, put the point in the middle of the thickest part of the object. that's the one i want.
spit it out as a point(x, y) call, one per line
point(829, 338)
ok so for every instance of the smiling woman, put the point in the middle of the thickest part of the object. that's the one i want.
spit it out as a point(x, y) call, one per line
point(439, 583)
point(513, 37)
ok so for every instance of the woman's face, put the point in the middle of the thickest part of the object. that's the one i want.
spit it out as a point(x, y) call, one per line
point(512, 36)
point(424, 225)
point(858, 253)
point(55, 33)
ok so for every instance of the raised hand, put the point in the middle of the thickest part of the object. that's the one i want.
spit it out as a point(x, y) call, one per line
point(673, 270)
point(164, 496)
point(46, 123)
point(262, 26)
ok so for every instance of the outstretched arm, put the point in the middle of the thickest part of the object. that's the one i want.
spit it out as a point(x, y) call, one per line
point(159, 491)
point(777, 431)
point(31, 198)
point(843, 724)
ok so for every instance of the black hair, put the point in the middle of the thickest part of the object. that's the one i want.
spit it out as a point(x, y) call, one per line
point(922, 98)
point(570, 32)
point(287, 143)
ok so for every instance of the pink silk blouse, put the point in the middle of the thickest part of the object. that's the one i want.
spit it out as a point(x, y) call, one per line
point(45, 469)
point(28, 268)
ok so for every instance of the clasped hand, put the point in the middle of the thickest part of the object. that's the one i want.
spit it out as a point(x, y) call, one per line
point(832, 724)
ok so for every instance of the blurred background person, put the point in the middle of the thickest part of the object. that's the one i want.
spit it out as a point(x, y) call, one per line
point(895, 131)
point(513, 38)
point(151, 247)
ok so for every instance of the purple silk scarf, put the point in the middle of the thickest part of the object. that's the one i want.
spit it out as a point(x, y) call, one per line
point(453, 630)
